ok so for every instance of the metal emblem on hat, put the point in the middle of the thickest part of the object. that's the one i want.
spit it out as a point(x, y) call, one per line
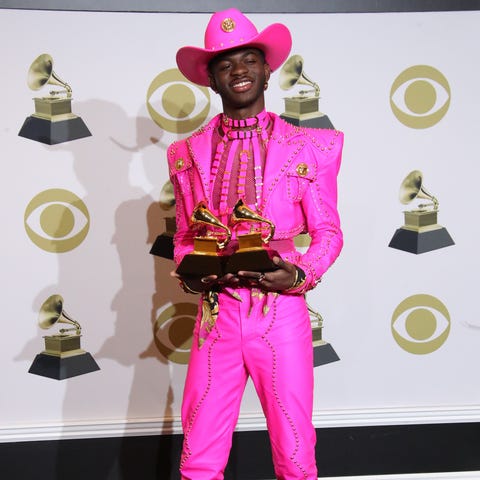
point(228, 25)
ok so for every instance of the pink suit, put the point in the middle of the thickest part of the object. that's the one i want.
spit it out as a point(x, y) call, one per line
point(264, 336)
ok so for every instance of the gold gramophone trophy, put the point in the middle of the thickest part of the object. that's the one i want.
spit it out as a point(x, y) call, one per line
point(253, 253)
point(323, 351)
point(62, 357)
point(53, 121)
point(421, 233)
point(163, 245)
point(206, 258)
point(301, 109)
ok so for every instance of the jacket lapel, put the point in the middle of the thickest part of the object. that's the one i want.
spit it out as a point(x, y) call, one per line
point(200, 149)
point(282, 149)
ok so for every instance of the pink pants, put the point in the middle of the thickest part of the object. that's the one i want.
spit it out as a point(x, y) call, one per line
point(275, 350)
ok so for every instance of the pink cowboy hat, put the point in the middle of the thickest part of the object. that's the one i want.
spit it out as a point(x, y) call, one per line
point(228, 30)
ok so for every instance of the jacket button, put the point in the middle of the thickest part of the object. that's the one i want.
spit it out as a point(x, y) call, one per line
point(302, 169)
point(179, 164)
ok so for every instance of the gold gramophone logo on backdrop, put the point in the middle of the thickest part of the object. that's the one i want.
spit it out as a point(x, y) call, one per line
point(421, 233)
point(301, 109)
point(63, 357)
point(420, 96)
point(323, 351)
point(420, 324)
point(53, 121)
point(56, 220)
point(176, 104)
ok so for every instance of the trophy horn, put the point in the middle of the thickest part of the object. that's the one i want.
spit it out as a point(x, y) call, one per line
point(292, 74)
point(41, 73)
point(201, 215)
point(242, 213)
point(52, 312)
point(412, 187)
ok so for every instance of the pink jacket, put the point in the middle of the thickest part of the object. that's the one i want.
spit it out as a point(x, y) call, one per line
point(299, 191)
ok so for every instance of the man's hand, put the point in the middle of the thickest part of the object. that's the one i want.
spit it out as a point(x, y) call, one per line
point(278, 280)
point(200, 284)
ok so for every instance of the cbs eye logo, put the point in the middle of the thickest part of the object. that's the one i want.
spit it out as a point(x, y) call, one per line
point(56, 220)
point(175, 104)
point(420, 324)
point(420, 96)
point(173, 331)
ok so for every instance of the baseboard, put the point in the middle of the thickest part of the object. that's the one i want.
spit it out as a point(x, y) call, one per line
point(246, 423)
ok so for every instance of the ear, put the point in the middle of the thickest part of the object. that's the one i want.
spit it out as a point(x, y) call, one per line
point(268, 71)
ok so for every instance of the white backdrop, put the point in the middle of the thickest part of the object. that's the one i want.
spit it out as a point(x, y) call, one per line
point(115, 289)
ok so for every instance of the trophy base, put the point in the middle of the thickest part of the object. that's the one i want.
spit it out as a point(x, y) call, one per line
point(163, 246)
point(259, 260)
point(323, 353)
point(310, 121)
point(420, 242)
point(199, 265)
point(60, 368)
point(53, 132)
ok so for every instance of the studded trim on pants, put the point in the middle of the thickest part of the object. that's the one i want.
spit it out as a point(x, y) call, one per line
point(274, 348)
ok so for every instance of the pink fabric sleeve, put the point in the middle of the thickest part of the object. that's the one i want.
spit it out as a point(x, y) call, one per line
point(183, 238)
point(319, 205)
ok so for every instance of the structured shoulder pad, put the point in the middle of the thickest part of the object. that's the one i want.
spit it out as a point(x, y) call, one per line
point(179, 158)
point(324, 139)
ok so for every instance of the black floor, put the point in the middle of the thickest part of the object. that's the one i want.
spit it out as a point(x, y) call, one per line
point(340, 452)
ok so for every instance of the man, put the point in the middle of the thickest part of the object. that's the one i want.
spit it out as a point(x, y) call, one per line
point(252, 324)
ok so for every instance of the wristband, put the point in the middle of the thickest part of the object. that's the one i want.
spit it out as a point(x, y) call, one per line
point(300, 278)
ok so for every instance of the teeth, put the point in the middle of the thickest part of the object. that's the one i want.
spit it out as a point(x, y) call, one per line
point(241, 84)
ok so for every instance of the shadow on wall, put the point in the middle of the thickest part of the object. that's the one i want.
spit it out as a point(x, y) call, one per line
point(103, 165)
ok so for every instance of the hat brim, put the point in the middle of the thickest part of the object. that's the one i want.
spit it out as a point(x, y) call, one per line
point(275, 41)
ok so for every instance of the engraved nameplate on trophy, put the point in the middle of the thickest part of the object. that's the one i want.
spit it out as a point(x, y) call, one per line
point(63, 356)
point(53, 121)
point(206, 258)
point(420, 233)
point(302, 109)
point(253, 253)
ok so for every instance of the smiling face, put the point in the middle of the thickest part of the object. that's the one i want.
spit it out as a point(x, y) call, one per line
point(240, 77)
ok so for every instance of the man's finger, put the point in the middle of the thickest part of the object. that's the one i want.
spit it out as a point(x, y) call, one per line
point(279, 262)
